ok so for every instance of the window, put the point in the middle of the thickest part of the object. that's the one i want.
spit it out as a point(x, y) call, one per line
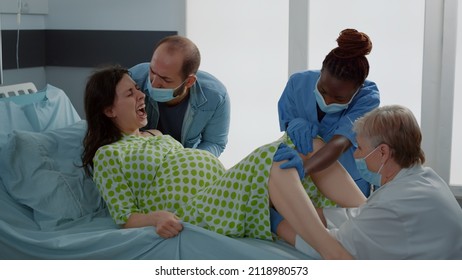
point(456, 149)
point(245, 45)
point(396, 30)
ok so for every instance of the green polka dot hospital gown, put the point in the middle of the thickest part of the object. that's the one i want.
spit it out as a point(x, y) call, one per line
point(144, 174)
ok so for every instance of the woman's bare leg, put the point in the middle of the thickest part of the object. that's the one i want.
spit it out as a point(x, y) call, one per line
point(335, 183)
point(290, 199)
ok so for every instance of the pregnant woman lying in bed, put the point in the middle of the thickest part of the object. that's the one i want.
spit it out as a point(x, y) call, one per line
point(150, 179)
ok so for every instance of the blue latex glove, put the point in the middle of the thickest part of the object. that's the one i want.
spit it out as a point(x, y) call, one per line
point(284, 152)
point(302, 132)
point(275, 219)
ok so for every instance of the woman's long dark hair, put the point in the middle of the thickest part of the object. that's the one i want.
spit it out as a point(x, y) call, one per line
point(100, 93)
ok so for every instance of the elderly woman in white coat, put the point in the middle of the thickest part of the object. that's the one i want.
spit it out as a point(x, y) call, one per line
point(413, 215)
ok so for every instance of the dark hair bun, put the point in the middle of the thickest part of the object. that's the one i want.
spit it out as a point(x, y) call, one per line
point(352, 43)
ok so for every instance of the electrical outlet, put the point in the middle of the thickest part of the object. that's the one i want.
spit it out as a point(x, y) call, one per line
point(25, 9)
point(26, 6)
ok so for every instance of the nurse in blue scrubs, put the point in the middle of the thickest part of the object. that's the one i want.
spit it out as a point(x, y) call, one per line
point(325, 103)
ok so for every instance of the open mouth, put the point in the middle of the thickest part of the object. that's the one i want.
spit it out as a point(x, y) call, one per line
point(141, 110)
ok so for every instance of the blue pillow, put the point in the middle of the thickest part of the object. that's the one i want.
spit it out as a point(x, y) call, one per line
point(41, 170)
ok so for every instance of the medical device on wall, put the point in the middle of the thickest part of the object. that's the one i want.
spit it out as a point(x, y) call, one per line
point(18, 89)
point(18, 19)
point(6, 8)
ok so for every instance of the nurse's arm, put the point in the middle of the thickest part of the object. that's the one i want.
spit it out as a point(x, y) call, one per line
point(334, 175)
point(326, 155)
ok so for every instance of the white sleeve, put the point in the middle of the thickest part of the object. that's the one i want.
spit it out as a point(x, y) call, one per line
point(372, 231)
point(335, 217)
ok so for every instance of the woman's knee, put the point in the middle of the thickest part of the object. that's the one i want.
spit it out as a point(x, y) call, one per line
point(318, 143)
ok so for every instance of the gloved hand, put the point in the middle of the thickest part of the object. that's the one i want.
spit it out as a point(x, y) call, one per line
point(302, 132)
point(275, 219)
point(284, 152)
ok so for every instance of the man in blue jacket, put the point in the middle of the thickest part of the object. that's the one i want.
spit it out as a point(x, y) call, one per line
point(190, 105)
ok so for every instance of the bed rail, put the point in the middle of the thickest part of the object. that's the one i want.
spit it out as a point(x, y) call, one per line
point(17, 89)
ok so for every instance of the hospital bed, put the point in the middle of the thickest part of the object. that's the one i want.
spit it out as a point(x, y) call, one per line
point(49, 209)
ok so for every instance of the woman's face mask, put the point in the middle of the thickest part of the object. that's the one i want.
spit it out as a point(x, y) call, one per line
point(333, 107)
point(162, 94)
point(375, 178)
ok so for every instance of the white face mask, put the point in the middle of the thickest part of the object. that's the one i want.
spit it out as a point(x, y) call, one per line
point(333, 107)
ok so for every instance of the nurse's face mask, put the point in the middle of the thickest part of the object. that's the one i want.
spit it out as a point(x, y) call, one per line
point(374, 178)
point(332, 107)
point(164, 94)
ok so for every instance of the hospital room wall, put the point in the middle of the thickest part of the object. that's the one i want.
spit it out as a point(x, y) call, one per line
point(298, 32)
point(36, 75)
point(255, 76)
point(118, 15)
point(239, 52)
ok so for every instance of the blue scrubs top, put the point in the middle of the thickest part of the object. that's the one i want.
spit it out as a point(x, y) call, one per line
point(298, 101)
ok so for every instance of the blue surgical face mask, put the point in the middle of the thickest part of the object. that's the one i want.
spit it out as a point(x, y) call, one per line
point(375, 178)
point(333, 107)
point(162, 94)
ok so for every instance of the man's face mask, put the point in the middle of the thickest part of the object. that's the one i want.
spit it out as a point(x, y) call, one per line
point(162, 94)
